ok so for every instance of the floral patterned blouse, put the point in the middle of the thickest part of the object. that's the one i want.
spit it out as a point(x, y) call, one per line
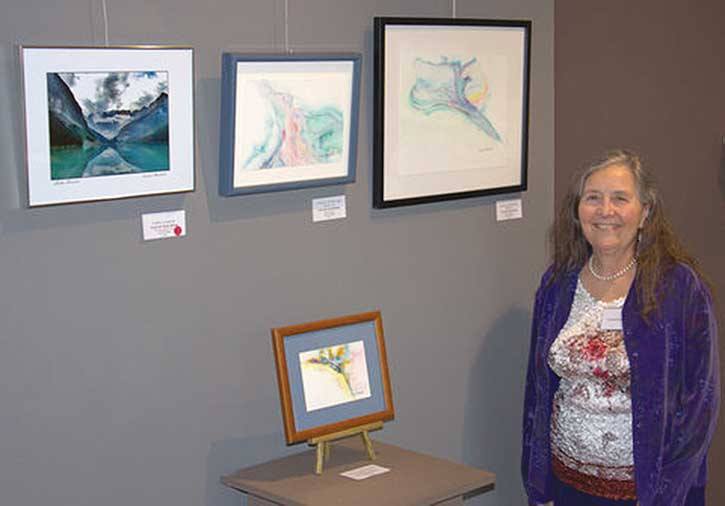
point(591, 424)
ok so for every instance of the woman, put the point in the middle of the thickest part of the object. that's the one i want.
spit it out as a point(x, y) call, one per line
point(622, 389)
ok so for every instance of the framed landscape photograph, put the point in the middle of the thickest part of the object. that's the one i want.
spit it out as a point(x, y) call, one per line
point(332, 375)
point(107, 122)
point(451, 109)
point(288, 121)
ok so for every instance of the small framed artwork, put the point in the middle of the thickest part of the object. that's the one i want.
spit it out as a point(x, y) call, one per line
point(288, 121)
point(107, 122)
point(332, 375)
point(451, 109)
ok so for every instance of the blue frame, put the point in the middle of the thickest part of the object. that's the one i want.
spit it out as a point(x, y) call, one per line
point(228, 127)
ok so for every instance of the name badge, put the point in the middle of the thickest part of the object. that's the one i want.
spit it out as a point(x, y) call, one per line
point(612, 318)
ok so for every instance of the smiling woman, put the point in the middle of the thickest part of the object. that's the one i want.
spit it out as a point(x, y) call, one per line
point(622, 387)
point(611, 215)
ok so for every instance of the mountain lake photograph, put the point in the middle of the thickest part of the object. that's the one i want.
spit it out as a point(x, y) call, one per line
point(107, 123)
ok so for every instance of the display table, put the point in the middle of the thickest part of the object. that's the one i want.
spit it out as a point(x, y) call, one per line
point(413, 479)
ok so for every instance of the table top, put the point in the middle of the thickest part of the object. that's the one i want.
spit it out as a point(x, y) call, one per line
point(414, 478)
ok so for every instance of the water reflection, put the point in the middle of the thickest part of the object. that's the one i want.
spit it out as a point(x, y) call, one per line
point(127, 158)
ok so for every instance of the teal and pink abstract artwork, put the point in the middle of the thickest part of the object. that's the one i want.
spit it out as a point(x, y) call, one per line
point(290, 123)
point(295, 133)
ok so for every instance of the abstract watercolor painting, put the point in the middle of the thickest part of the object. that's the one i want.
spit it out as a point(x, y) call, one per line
point(451, 109)
point(107, 122)
point(298, 130)
point(288, 121)
point(452, 112)
point(334, 375)
point(448, 86)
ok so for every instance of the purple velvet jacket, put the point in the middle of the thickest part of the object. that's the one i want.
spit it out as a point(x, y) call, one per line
point(674, 384)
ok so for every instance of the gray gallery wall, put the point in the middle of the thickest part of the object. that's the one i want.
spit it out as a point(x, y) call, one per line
point(137, 373)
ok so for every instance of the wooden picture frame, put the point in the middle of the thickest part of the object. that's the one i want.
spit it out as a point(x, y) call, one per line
point(332, 375)
point(451, 109)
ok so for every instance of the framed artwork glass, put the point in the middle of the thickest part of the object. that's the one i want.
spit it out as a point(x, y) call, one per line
point(107, 122)
point(451, 109)
point(332, 375)
point(288, 121)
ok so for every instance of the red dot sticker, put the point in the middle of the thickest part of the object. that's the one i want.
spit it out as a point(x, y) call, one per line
point(177, 230)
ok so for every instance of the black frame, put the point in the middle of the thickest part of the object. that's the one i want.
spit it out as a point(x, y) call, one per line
point(379, 170)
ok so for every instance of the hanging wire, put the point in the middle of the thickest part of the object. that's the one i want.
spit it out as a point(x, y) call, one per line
point(453, 9)
point(105, 20)
point(286, 27)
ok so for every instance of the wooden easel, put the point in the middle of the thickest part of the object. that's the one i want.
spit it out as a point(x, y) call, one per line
point(323, 442)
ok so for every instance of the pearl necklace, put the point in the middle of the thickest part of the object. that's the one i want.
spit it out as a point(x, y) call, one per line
point(614, 276)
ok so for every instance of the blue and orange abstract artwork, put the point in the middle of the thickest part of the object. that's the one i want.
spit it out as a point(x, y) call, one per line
point(452, 111)
point(334, 375)
point(448, 86)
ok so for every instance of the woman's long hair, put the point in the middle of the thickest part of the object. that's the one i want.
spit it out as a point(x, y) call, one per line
point(657, 250)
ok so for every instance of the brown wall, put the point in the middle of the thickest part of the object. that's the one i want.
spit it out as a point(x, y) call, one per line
point(650, 75)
